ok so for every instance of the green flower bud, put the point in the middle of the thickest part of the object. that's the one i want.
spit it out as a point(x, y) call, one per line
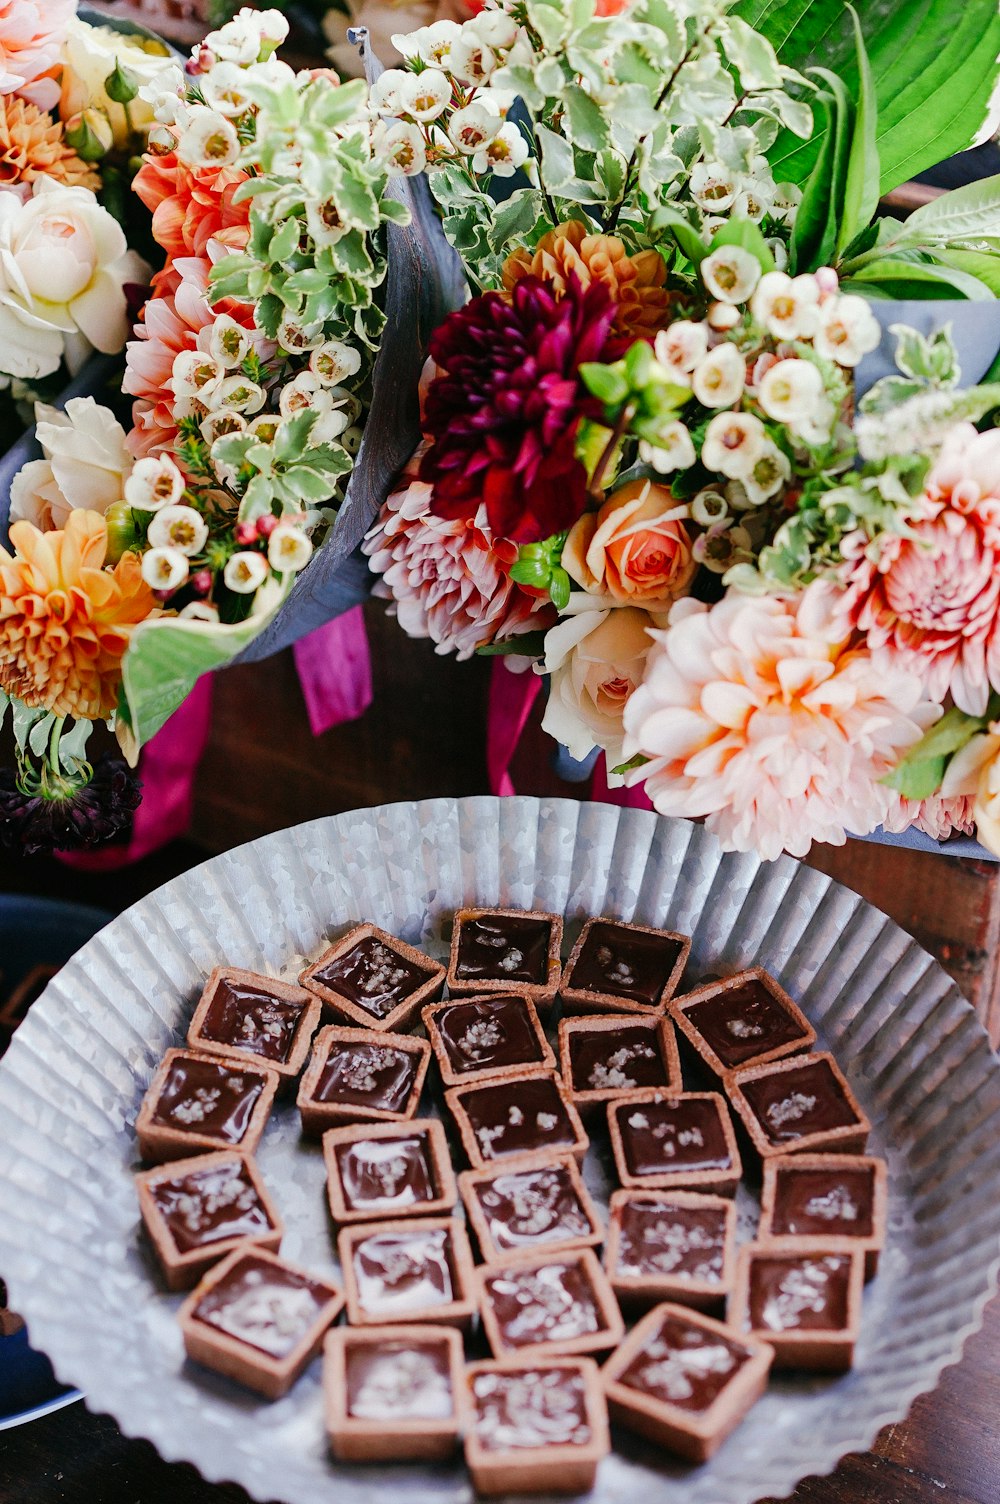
point(121, 85)
point(90, 135)
point(122, 532)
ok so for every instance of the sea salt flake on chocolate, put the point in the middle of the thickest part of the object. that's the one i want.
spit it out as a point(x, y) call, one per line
point(674, 1374)
point(834, 1206)
point(790, 1110)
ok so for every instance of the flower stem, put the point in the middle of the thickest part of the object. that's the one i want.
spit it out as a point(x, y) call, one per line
point(54, 739)
point(611, 223)
point(614, 439)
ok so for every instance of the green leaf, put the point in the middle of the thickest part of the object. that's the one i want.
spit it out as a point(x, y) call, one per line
point(917, 780)
point(4, 703)
point(560, 589)
point(891, 277)
point(816, 231)
point(747, 235)
point(984, 267)
point(25, 716)
point(753, 56)
point(586, 123)
point(284, 241)
point(526, 645)
point(687, 237)
point(38, 736)
point(638, 761)
point(970, 212)
point(861, 186)
point(73, 745)
point(920, 772)
point(555, 156)
point(606, 383)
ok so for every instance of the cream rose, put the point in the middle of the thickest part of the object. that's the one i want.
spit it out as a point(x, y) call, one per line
point(64, 263)
point(975, 771)
point(91, 53)
point(636, 549)
point(85, 465)
point(596, 657)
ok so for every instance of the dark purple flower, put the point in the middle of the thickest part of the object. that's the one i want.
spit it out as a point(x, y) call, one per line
point(63, 817)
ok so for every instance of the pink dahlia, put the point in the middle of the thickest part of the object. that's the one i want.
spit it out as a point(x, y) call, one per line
point(32, 33)
point(752, 718)
point(506, 405)
point(937, 817)
point(448, 578)
point(930, 603)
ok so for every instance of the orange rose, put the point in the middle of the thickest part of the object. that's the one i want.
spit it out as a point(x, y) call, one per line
point(636, 549)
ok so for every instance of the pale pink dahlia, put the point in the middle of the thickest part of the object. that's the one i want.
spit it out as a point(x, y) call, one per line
point(931, 603)
point(937, 817)
point(31, 36)
point(448, 577)
point(753, 719)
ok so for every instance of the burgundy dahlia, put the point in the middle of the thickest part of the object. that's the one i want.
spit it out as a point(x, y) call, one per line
point(503, 414)
point(39, 816)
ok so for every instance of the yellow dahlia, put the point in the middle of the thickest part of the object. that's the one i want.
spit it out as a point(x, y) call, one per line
point(32, 146)
point(65, 620)
point(636, 283)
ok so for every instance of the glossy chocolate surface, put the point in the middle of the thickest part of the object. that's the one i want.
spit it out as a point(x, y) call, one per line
point(249, 1018)
point(684, 1365)
point(383, 1175)
point(551, 1303)
point(478, 1035)
point(805, 1292)
point(602, 1061)
point(205, 1206)
point(675, 1134)
point(204, 1096)
point(793, 1103)
point(404, 1271)
point(367, 1075)
point(504, 948)
point(824, 1203)
point(373, 976)
point(525, 1208)
point(743, 1022)
point(625, 963)
point(545, 1407)
point(518, 1117)
point(680, 1242)
point(263, 1304)
point(394, 1380)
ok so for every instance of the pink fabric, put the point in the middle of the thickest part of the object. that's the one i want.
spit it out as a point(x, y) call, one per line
point(510, 702)
point(626, 798)
point(167, 767)
point(335, 671)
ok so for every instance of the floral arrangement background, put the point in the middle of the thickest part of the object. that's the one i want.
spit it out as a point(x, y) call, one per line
point(647, 470)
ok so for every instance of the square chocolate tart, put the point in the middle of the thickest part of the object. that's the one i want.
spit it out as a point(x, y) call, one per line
point(673, 1246)
point(688, 1407)
point(514, 1208)
point(416, 1270)
point(623, 968)
point(823, 1201)
point(800, 1103)
point(487, 1038)
point(677, 1141)
point(805, 1304)
point(257, 1020)
point(368, 977)
point(258, 1320)
point(186, 1243)
point(196, 1103)
point(361, 1076)
point(505, 950)
point(392, 1393)
point(528, 1117)
point(550, 1303)
point(744, 1020)
point(602, 1058)
point(534, 1426)
point(380, 1170)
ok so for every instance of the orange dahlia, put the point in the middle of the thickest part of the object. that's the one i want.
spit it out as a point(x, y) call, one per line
point(65, 620)
point(636, 283)
point(32, 146)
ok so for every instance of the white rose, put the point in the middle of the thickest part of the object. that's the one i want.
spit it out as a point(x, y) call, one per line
point(86, 465)
point(91, 53)
point(596, 657)
point(64, 263)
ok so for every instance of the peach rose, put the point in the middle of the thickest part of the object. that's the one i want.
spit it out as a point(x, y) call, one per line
point(974, 772)
point(636, 549)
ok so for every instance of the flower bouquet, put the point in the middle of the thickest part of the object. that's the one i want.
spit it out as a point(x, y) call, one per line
point(147, 552)
point(653, 467)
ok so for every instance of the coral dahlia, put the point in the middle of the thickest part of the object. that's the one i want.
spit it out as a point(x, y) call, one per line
point(753, 719)
point(506, 405)
point(636, 283)
point(192, 205)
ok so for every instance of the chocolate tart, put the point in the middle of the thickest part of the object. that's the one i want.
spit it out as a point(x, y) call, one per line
point(379, 1170)
point(392, 1393)
point(671, 1246)
point(196, 1103)
point(534, 1426)
point(368, 977)
point(549, 1303)
point(256, 1020)
point(674, 1141)
point(745, 1020)
point(806, 1305)
point(824, 1201)
point(359, 1076)
point(258, 1320)
point(603, 1058)
point(408, 1271)
point(685, 1381)
point(623, 968)
point(505, 950)
point(487, 1038)
point(527, 1117)
point(796, 1104)
point(515, 1208)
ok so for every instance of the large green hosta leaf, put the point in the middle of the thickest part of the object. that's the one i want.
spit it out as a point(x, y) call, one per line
point(934, 67)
